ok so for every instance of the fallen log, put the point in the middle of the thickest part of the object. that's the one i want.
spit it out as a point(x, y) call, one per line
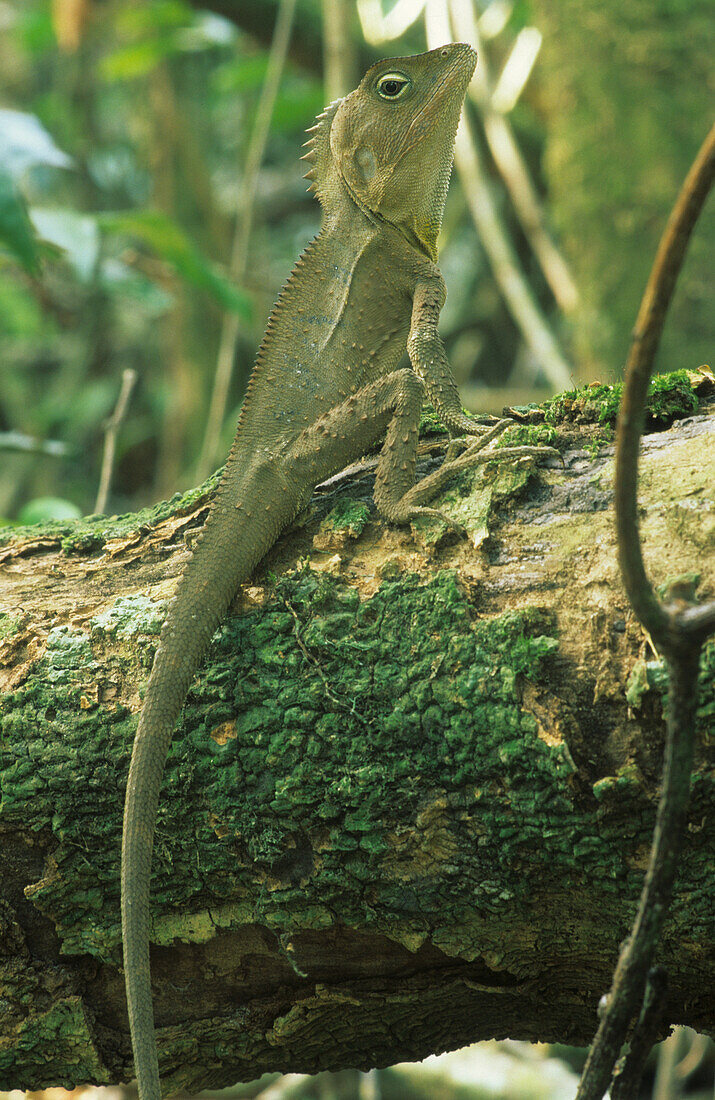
point(411, 796)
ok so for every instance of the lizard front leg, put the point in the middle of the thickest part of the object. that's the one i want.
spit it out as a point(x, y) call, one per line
point(430, 362)
point(429, 359)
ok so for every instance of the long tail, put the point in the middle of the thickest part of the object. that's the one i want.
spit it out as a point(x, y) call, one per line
point(232, 544)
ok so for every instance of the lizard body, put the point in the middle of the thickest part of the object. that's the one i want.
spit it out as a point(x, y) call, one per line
point(325, 388)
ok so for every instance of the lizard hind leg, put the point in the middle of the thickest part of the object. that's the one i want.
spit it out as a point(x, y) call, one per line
point(397, 497)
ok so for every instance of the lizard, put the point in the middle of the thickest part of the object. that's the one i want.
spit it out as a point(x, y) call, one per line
point(326, 387)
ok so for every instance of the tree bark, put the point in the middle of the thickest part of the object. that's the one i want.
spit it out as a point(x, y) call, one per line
point(409, 802)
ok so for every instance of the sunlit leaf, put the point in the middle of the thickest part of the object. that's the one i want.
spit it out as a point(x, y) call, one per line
point(16, 233)
point(24, 142)
point(207, 30)
point(169, 241)
point(132, 62)
point(76, 234)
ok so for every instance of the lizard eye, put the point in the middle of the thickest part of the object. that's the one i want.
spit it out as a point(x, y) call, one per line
point(393, 85)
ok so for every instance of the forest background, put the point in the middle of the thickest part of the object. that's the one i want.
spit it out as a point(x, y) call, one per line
point(152, 204)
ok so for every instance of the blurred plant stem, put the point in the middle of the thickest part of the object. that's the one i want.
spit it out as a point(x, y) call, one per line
point(508, 159)
point(111, 431)
point(507, 273)
point(339, 66)
point(245, 205)
point(182, 384)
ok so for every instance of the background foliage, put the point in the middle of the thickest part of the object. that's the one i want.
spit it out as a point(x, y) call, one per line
point(124, 132)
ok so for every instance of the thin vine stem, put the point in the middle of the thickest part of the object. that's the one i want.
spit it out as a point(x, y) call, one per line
point(677, 634)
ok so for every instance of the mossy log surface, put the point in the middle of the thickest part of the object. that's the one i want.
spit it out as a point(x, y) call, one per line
point(410, 800)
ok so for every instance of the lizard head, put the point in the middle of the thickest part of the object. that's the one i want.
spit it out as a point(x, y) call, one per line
point(390, 142)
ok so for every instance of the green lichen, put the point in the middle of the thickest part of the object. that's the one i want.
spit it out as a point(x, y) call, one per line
point(473, 498)
point(66, 651)
point(129, 616)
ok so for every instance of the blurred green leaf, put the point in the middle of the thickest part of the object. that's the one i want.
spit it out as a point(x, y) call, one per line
point(297, 105)
point(136, 20)
point(16, 232)
point(241, 74)
point(158, 31)
point(21, 316)
point(169, 241)
point(120, 279)
point(42, 509)
point(35, 27)
point(24, 142)
point(76, 234)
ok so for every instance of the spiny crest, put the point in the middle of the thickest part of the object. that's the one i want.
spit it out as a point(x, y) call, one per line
point(318, 148)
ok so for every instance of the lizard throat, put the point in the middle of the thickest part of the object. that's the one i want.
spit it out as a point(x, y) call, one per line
point(412, 238)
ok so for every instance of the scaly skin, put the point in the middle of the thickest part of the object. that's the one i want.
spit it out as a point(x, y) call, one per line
point(324, 390)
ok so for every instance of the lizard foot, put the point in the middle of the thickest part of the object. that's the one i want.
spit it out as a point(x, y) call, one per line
point(469, 444)
point(475, 455)
point(436, 513)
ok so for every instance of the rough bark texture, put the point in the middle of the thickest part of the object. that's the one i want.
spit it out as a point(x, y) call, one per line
point(410, 800)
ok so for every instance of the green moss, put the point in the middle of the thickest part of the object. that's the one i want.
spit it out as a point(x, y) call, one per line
point(8, 625)
point(706, 696)
point(52, 1048)
point(682, 587)
point(307, 780)
point(529, 435)
point(670, 396)
point(652, 676)
point(599, 440)
point(349, 516)
point(430, 423)
point(91, 533)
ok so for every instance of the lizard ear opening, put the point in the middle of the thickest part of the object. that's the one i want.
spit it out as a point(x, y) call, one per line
point(365, 163)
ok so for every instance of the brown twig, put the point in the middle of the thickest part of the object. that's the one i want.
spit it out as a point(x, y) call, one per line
point(111, 430)
point(629, 1071)
point(677, 631)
